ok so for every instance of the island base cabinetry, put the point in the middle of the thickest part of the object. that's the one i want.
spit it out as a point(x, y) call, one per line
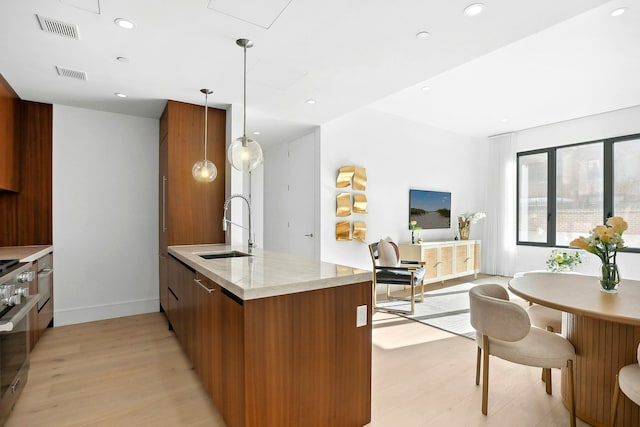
point(289, 360)
point(298, 359)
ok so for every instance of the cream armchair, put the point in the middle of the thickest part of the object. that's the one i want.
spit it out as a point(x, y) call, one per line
point(503, 329)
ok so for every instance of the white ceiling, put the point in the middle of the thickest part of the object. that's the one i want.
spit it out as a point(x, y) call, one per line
point(529, 62)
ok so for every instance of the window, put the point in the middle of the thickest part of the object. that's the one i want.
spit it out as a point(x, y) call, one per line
point(532, 197)
point(564, 192)
point(626, 187)
point(579, 190)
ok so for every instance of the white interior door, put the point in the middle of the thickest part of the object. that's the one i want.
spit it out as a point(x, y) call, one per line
point(302, 200)
point(291, 202)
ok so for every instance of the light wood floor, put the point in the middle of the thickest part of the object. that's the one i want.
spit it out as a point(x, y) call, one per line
point(131, 372)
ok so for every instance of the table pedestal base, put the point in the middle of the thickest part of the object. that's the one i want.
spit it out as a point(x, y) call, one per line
point(602, 348)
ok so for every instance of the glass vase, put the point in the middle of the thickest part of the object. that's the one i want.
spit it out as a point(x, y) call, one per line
point(609, 277)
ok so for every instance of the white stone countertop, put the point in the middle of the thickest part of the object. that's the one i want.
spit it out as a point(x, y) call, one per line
point(265, 273)
point(25, 253)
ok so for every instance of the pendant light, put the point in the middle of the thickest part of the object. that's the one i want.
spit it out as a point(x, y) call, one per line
point(245, 153)
point(204, 170)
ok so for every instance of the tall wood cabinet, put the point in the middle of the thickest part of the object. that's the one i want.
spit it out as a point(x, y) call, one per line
point(9, 149)
point(190, 212)
point(444, 260)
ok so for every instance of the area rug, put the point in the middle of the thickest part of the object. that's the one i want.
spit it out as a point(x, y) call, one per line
point(446, 308)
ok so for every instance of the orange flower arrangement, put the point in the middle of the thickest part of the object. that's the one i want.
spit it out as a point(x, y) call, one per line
point(605, 241)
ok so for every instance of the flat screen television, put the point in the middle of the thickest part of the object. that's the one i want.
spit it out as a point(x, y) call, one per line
point(430, 209)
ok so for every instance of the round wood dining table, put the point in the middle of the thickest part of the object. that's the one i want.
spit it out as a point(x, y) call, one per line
point(605, 331)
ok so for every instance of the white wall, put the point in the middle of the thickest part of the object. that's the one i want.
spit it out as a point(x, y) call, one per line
point(105, 215)
point(398, 155)
point(617, 123)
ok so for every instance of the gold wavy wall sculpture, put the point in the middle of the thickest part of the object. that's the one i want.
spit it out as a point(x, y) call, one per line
point(355, 177)
point(359, 203)
point(343, 230)
point(343, 204)
point(360, 231)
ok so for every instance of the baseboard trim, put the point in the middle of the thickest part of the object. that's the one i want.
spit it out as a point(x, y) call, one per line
point(71, 316)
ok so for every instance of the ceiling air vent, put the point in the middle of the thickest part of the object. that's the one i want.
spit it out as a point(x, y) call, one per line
point(58, 27)
point(74, 74)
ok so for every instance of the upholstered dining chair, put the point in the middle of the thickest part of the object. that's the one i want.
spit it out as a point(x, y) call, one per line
point(395, 272)
point(503, 329)
point(627, 380)
point(541, 316)
point(546, 318)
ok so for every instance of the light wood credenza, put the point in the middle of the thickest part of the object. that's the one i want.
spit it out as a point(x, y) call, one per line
point(444, 260)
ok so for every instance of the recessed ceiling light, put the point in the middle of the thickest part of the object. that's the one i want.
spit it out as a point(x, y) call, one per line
point(422, 35)
point(473, 9)
point(426, 88)
point(122, 59)
point(619, 11)
point(310, 101)
point(256, 133)
point(504, 120)
point(120, 95)
point(124, 23)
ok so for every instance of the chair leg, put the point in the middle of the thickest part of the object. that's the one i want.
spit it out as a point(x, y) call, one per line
point(422, 291)
point(572, 396)
point(546, 373)
point(614, 403)
point(413, 295)
point(478, 365)
point(388, 291)
point(485, 374)
point(550, 329)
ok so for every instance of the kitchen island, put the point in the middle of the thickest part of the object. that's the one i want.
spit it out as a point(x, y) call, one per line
point(277, 340)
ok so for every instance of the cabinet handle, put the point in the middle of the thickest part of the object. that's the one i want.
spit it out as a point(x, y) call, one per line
point(203, 286)
point(164, 204)
point(308, 235)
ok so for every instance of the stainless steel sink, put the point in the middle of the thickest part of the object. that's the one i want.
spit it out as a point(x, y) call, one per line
point(229, 254)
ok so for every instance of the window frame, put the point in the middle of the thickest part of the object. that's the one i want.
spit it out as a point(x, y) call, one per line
point(608, 187)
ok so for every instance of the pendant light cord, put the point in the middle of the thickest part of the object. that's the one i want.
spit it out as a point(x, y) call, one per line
point(206, 102)
point(244, 106)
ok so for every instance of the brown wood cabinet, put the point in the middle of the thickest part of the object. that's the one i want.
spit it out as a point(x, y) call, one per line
point(305, 362)
point(26, 216)
point(194, 312)
point(9, 149)
point(190, 212)
point(208, 352)
point(288, 360)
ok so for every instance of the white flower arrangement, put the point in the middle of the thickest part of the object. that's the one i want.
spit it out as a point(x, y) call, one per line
point(472, 217)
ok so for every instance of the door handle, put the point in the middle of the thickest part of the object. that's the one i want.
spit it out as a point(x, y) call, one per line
point(308, 235)
point(164, 204)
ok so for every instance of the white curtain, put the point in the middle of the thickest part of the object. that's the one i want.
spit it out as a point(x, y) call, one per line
point(500, 242)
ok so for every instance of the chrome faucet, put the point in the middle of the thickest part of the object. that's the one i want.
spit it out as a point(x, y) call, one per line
point(225, 220)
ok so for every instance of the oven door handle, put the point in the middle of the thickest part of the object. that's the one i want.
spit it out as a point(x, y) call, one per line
point(17, 318)
point(45, 272)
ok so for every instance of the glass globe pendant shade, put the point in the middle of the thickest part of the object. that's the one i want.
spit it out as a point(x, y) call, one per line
point(244, 154)
point(204, 171)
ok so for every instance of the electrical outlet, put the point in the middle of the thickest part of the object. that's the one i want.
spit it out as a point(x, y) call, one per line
point(361, 316)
